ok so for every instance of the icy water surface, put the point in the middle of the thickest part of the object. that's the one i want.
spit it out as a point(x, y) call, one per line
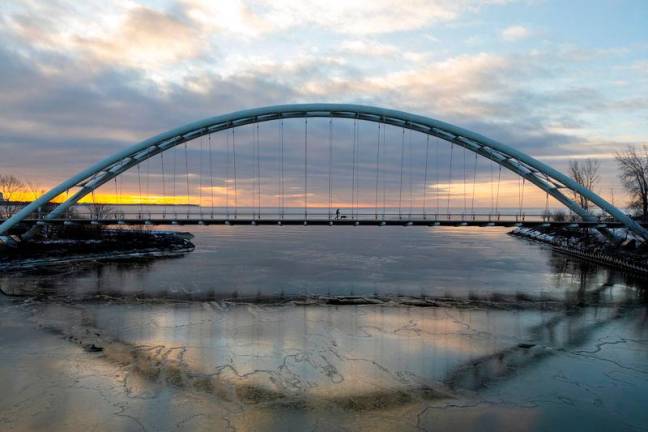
point(462, 329)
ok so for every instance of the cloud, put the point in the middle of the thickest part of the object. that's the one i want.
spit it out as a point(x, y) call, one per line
point(77, 117)
point(172, 39)
point(368, 48)
point(340, 16)
point(145, 38)
point(515, 33)
point(380, 16)
point(79, 81)
point(133, 36)
point(470, 85)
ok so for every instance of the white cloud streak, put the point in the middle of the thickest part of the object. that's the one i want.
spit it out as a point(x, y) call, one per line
point(515, 33)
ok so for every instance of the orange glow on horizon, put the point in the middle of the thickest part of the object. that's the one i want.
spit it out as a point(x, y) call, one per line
point(460, 194)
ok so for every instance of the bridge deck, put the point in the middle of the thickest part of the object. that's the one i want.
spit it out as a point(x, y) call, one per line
point(332, 222)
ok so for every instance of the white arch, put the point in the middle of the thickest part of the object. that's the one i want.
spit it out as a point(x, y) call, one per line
point(538, 173)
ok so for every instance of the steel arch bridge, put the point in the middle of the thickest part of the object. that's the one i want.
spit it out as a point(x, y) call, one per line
point(548, 179)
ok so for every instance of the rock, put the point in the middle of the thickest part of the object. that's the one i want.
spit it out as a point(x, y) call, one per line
point(8, 242)
point(93, 348)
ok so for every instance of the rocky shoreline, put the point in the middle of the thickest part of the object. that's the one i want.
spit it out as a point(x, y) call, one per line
point(76, 246)
point(627, 254)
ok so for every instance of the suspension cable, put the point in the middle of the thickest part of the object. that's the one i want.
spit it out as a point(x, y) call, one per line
point(305, 169)
point(499, 178)
point(175, 158)
point(211, 175)
point(377, 172)
point(228, 173)
point(148, 183)
point(258, 171)
point(437, 170)
point(283, 173)
point(139, 184)
point(400, 192)
point(472, 201)
point(519, 184)
point(357, 194)
point(200, 173)
point(330, 169)
point(235, 179)
point(148, 178)
point(259, 166)
point(67, 195)
point(279, 172)
point(425, 178)
point(492, 188)
point(116, 193)
point(465, 197)
point(187, 176)
point(163, 185)
point(353, 175)
point(95, 213)
point(450, 177)
point(522, 198)
point(410, 173)
point(384, 188)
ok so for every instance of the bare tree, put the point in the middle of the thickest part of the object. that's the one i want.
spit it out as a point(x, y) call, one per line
point(586, 173)
point(100, 211)
point(633, 174)
point(32, 190)
point(546, 215)
point(559, 216)
point(10, 187)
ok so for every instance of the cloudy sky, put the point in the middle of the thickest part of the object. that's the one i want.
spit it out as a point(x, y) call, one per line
point(557, 79)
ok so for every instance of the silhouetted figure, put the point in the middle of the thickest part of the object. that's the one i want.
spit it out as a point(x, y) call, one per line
point(337, 214)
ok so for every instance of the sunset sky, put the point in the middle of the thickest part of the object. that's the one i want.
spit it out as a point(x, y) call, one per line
point(80, 80)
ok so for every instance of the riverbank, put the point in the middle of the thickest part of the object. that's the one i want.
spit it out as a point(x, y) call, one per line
point(627, 255)
point(82, 245)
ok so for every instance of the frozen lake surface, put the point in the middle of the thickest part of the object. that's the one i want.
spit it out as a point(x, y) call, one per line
point(240, 335)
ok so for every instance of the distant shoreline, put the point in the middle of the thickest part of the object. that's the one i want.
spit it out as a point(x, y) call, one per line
point(23, 203)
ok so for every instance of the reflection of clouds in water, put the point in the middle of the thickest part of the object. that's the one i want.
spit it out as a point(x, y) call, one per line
point(365, 347)
point(293, 359)
point(343, 259)
point(356, 358)
point(374, 366)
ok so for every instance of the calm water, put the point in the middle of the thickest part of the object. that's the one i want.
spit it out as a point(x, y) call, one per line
point(210, 341)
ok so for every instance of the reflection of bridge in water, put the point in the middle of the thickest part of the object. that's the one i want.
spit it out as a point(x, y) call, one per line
point(567, 329)
point(397, 164)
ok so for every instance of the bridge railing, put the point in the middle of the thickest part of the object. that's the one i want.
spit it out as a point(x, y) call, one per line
point(196, 214)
